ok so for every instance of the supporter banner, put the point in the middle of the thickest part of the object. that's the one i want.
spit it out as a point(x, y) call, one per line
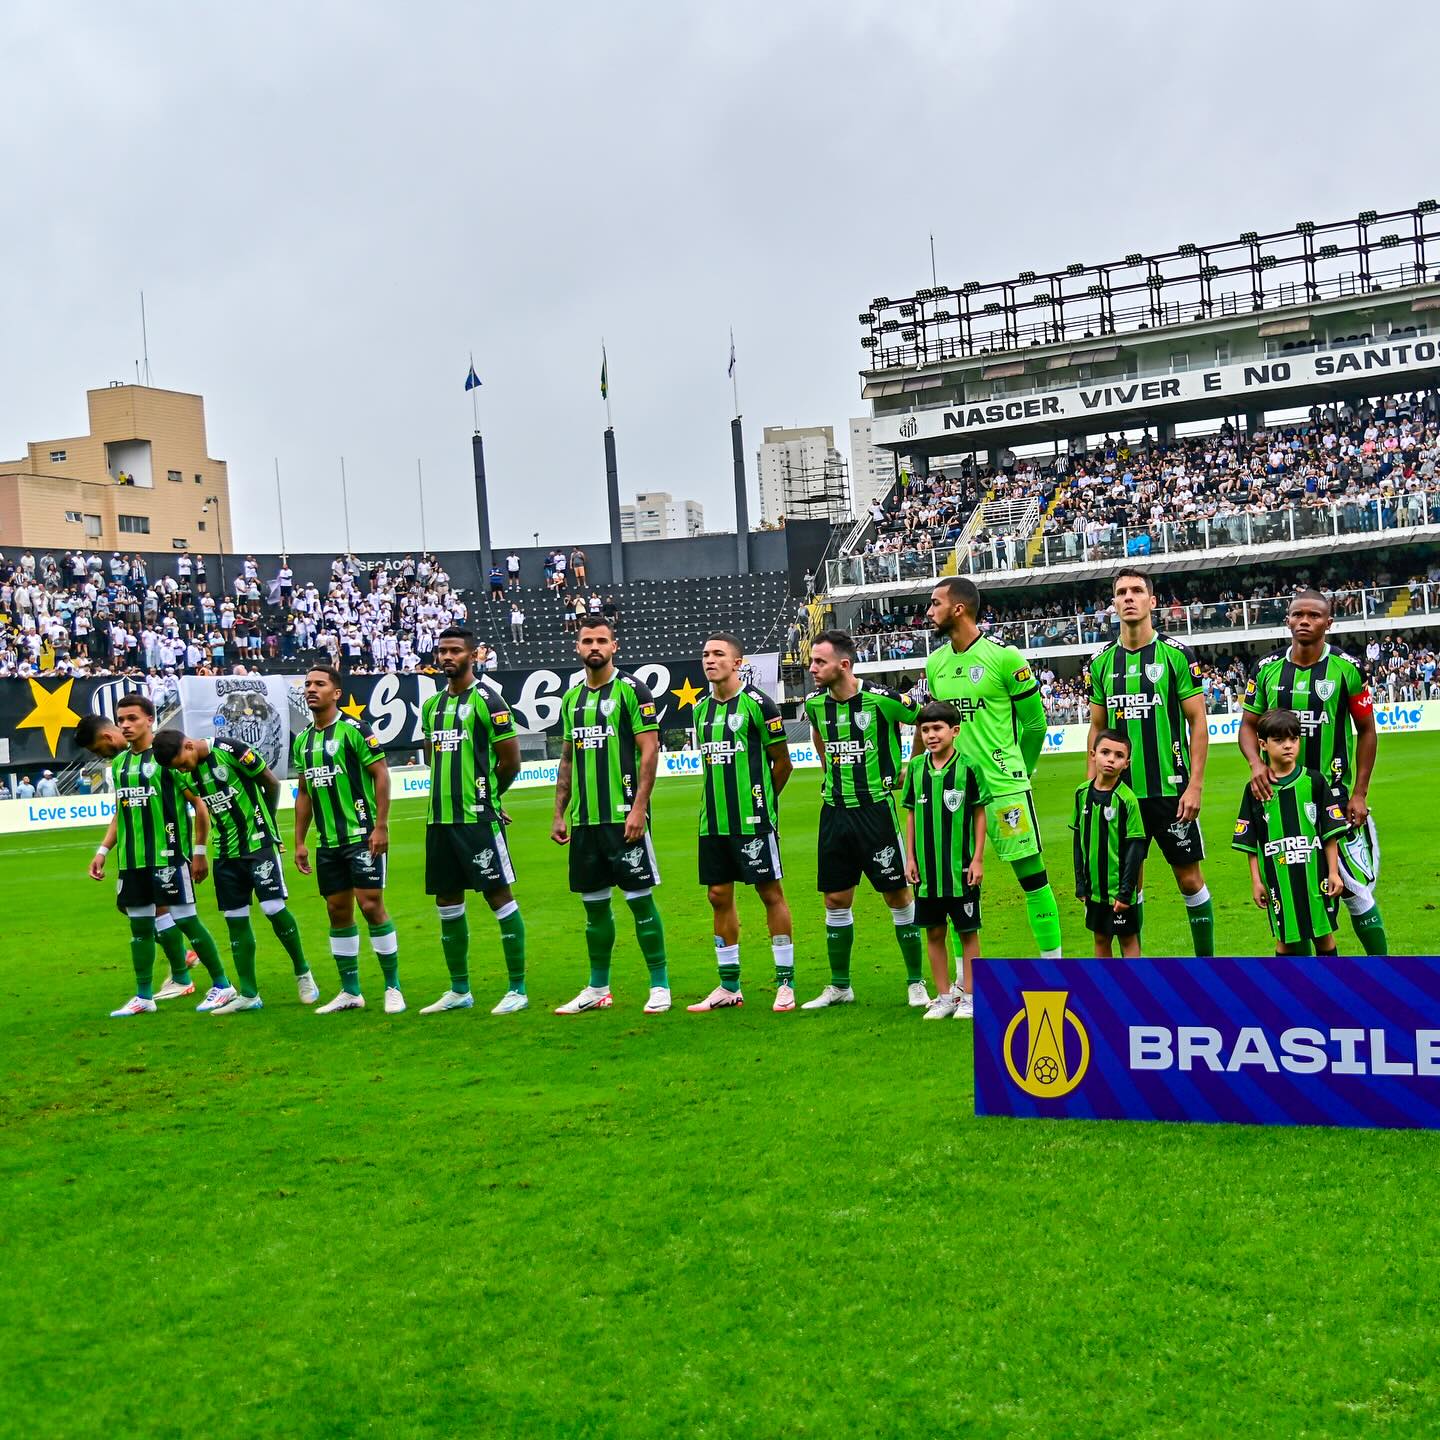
point(1257, 385)
point(260, 711)
point(407, 782)
point(1270, 1041)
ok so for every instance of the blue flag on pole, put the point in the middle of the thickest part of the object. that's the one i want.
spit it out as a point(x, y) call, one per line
point(472, 380)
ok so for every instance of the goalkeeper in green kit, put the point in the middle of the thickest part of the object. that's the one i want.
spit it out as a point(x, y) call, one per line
point(1002, 731)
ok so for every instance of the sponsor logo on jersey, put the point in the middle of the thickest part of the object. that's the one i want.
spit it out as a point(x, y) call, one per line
point(1291, 849)
point(1242, 827)
point(1022, 674)
point(1195, 670)
point(647, 710)
point(372, 742)
point(500, 719)
point(249, 758)
point(1334, 812)
point(1053, 1052)
point(776, 725)
point(953, 800)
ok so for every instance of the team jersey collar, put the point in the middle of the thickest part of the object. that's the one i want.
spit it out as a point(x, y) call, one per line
point(1286, 781)
point(935, 769)
point(1323, 657)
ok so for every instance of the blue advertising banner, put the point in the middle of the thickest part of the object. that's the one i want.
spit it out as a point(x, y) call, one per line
point(1270, 1041)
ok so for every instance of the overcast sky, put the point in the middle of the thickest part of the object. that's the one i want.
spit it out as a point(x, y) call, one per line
point(329, 206)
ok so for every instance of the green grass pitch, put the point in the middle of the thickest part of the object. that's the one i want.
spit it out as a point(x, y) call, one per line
point(743, 1224)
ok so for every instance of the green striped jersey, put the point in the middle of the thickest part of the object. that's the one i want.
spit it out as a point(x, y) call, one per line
point(1141, 692)
point(943, 798)
point(733, 736)
point(600, 724)
point(462, 731)
point(334, 764)
point(1287, 835)
point(228, 781)
point(152, 820)
point(1327, 696)
point(860, 741)
point(983, 682)
point(1109, 843)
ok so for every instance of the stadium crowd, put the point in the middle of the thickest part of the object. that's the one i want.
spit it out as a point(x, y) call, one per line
point(1374, 460)
point(83, 615)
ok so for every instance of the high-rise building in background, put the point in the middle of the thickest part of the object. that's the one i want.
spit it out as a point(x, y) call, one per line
point(802, 475)
point(657, 515)
point(872, 470)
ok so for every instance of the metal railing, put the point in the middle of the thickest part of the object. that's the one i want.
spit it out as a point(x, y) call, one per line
point(1292, 525)
point(1198, 620)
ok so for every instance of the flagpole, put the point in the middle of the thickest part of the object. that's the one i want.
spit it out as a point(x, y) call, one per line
point(280, 504)
point(420, 477)
point(605, 366)
point(734, 372)
point(474, 397)
point(345, 501)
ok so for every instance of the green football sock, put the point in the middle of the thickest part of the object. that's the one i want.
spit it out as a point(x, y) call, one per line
point(287, 932)
point(1040, 908)
point(783, 949)
point(345, 947)
point(599, 940)
point(650, 932)
point(912, 949)
point(1370, 931)
point(1200, 911)
point(839, 942)
point(204, 946)
point(727, 958)
point(142, 954)
point(386, 945)
point(242, 951)
point(173, 946)
point(512, 941)
point(455, 942)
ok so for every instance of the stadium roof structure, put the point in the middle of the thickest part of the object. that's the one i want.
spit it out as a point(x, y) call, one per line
point(964, 368)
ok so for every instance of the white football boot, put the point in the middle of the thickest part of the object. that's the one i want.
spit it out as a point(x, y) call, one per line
point(942, 1007)
point(137, 1005)
point(718, 999)
point(450, 1001)
point(309, 990)
point(172, 990)
point(965, 1006)
point(659, 1001)
point(831, 995)
point(784, 998)
point(239, 1003)
point(592, 997)
point(917, 996)
point(511, 1003)
point(395, 1001)
point(343, 1001)
point(216, 996)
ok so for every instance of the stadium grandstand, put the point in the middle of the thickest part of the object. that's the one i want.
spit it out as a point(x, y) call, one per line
point(1238, 419)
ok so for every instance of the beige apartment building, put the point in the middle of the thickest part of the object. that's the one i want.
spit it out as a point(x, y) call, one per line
point(140, 480)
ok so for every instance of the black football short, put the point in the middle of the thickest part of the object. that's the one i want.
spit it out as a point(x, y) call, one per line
point(237, 880)
point(472, 855)
point(1105, 920)
point(961, 911)
point(1180, 841)
point(349, 867)
point(749, 859)
point(859, 840)
point(601, 857)
point(164, 885)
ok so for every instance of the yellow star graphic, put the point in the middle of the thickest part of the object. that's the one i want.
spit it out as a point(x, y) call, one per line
point(52, 712)
point(687, 694)
point(354, 709)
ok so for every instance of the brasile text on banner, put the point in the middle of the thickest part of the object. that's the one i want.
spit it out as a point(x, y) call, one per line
point(1275, 1040)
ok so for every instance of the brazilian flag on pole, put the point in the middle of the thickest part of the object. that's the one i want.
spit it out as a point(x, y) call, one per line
point(604, 375)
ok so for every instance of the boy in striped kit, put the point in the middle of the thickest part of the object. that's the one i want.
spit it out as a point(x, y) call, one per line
point(1109, 848)
point(944, 843)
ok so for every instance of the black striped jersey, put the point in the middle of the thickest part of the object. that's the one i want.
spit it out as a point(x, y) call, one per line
point(333, 763)
point(733, 736)
point(152, 820)
point(1287, 835)
point(1109, 845)
point(944, 798)
point(462, 732)
point(228, 780)
point(1141, 692)
point(1327, 696)
point(861, 742)
point(600, 725)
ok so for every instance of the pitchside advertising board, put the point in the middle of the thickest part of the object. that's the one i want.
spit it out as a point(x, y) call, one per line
point(1261, 383)
point(1277, 1040)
